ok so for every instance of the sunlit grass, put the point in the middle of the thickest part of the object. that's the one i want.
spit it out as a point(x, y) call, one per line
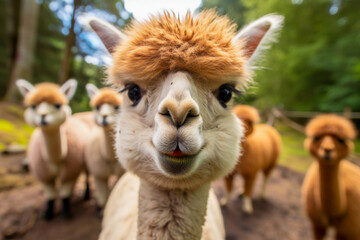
point(293, 154)
point(13, 130)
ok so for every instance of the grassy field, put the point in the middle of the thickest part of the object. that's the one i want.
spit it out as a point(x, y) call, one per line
point(13, 129)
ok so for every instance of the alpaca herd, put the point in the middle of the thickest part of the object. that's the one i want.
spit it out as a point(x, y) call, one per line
point(170, 132)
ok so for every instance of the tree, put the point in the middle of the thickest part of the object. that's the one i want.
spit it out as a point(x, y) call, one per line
point(25, 46)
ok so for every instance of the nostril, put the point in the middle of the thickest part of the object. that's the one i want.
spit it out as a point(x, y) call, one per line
point(328, 151)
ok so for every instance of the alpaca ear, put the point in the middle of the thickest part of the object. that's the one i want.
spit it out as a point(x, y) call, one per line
point(109, 34)
point(69, 88)
point(91, 89)
point(258, 35)
point(24, 86)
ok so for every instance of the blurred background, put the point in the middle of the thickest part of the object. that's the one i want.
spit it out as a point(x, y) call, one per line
point(313, 68)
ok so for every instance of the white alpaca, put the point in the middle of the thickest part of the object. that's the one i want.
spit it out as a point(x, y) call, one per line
point(56, 148)
point(175, 132)
point(100, 153)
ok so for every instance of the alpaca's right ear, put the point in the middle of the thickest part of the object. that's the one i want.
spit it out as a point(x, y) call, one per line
point(109, 34)
point(91, 90)
point(69, 88)
point(24, 86)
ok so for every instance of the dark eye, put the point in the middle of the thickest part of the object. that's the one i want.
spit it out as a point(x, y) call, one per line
point(134, 93)
point(316, 139)
point(33, 106)
point(224, 94)
point(341, 141)
point(116, 107)
point(57, 106)
point(97, 107)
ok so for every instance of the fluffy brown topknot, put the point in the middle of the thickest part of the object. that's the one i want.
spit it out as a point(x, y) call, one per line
point(201, 45)
point(106, 95)
point(248, 113)
point(45, 92)
point(331, 124)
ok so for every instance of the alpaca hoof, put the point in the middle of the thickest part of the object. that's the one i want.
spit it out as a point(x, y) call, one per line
point(87, 194)
point(99, 211)
point(66, 208)
point(224, 201)
point(247, 206)
point(49, 212)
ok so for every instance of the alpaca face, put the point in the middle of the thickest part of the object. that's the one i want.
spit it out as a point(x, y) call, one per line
point(106, 103)
point(329, 149)
point(105, 114)
point(46, 115)
point(180, 133)
point(178, 75)
point(46, 103)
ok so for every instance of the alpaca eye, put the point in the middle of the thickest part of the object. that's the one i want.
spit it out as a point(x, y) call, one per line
point(134, 93)
point(224, 94)
point(317, 138)
point(97, 107)
point(57, 106)
point(33, 106)
point(117, 108)
point(341, 141)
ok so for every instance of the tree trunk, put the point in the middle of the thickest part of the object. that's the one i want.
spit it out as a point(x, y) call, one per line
point(70, 43)
point(25, 47)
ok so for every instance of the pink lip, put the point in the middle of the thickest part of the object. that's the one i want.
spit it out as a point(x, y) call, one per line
point(176, 153)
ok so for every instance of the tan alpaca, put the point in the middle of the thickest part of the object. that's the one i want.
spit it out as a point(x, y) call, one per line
point(175, 133)
point(261, 149)
point(100, 153)
point(56, 148)
point(331, 189)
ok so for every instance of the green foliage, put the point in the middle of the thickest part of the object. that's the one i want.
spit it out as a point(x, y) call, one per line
point(316, 63)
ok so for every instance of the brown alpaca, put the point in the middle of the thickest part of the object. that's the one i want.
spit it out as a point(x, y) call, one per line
point(100, 152)
point(56, 148)
point(261, 149)
point(331, 189)
point(175, 134)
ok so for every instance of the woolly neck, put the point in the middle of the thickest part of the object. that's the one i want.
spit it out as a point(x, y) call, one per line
point(109, 143)
point(55, 144)
point(171, 213)
point(332, 190)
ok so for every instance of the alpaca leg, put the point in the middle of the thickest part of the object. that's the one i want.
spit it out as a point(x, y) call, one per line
point(247, 204)
point(87, 187)
point(228, 183)
point(65, 194)
point(263, 190)
point(50, 193)
point(102, 191)
point(319, 232)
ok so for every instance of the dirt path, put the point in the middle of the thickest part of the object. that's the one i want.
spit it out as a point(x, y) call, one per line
point(279, 217)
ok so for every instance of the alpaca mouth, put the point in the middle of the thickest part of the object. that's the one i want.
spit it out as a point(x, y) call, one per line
point(176, 162)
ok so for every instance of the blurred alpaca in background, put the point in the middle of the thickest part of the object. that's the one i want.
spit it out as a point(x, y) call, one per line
point(100, 152)
point(331, 189)
point(261, 150)
point(56, 148)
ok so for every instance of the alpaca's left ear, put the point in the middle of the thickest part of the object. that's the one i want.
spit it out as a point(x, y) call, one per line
point(91, 89)
point(69, 88)
point(109, 34)
point(258, 35)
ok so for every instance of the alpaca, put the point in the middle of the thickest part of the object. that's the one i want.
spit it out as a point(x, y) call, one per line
point(56, 148)
point(100, 153)
point(175, 134)
point(261, 149)
point(330, 190)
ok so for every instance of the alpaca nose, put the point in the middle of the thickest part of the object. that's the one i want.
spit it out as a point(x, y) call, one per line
point(327, 150)
point(179, 112)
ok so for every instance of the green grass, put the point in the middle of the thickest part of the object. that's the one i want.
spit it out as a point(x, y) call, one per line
point(293, 154)
point(13, 129)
